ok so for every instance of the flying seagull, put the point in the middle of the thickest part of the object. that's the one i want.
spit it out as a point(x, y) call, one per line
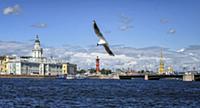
point(102, 40)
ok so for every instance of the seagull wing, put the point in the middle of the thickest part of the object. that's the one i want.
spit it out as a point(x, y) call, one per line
point(100, 35)
point(108, 49)
point(97, 31)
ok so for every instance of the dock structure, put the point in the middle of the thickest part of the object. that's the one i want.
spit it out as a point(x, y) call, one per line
point(186, 77)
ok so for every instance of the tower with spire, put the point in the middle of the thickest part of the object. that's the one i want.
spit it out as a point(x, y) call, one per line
point(161, 68)
point(37, 50)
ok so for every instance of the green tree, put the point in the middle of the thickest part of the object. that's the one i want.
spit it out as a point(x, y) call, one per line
point(82, 71)
point(106, 71)
point(92, 70)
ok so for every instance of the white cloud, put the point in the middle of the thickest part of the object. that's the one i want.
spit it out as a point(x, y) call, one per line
point(14, 47)
point(171, 31)
point(125, 23)
point(181, 50)
point(191, 54)
point(125, 27)
point(164, 21)
point(126, 57)
point(12, 10)
point(40, 25)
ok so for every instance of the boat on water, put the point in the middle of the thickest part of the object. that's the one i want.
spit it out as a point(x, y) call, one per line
point(70, 77)
point(62, 77)
point(78, 76)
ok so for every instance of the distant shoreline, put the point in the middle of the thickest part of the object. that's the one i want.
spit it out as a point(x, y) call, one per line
point(27, 76)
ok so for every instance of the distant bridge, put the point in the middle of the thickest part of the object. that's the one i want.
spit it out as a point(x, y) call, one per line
point(189, 77)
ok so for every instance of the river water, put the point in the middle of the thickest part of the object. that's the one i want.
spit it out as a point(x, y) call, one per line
point(56, 93)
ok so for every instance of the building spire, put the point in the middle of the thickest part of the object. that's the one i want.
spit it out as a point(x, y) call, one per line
point(37, 39)
point(161, 68)
point(37, 50)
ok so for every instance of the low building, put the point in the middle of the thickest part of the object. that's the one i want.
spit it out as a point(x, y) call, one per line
point(68, 68)
point(33, 68)
point(4, 64)
point(52, 69)
point(23, 68)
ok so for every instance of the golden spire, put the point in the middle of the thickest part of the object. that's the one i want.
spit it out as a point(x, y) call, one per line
point(161, 69)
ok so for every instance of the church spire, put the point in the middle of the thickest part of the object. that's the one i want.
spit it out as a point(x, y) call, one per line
point(161, 68)
point(37, 39)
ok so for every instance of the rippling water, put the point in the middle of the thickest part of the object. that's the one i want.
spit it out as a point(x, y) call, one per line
point(51, 93)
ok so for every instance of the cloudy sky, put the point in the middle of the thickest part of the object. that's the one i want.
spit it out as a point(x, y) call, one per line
point(130, 26)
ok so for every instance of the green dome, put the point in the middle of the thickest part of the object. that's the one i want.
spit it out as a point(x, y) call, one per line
point(37, 39)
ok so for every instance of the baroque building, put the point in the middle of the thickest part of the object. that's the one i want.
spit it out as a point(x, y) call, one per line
point(36, 64)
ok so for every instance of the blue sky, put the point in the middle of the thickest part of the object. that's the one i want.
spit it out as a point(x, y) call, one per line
point(171, 23)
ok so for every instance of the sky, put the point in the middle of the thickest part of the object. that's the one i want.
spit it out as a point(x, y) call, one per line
point(136, 31)
point(135, 23)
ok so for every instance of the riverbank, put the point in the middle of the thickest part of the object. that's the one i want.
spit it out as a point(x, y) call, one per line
point(27, 76)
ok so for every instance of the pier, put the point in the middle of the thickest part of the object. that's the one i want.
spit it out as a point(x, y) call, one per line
point(186, 77)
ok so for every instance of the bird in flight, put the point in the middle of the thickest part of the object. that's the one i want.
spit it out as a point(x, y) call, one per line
point(102, 40)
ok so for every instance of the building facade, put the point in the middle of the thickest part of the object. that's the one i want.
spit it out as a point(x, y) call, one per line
point(68, 68)
point(4, 64)
point(52, 69)
point(35, 64)
point(23, 68)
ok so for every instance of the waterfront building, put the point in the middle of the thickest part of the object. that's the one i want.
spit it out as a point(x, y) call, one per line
point(53, 69)
point(17, 67)
point(28, 65)
point(36, 64)
point(171, 69)
point(68, 68)
point(4, 64)
point(64, 69)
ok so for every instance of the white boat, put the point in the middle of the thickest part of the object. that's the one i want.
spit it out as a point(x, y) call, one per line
point(70, 77)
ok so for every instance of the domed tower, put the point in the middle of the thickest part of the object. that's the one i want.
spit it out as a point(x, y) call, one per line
point(37, 50)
